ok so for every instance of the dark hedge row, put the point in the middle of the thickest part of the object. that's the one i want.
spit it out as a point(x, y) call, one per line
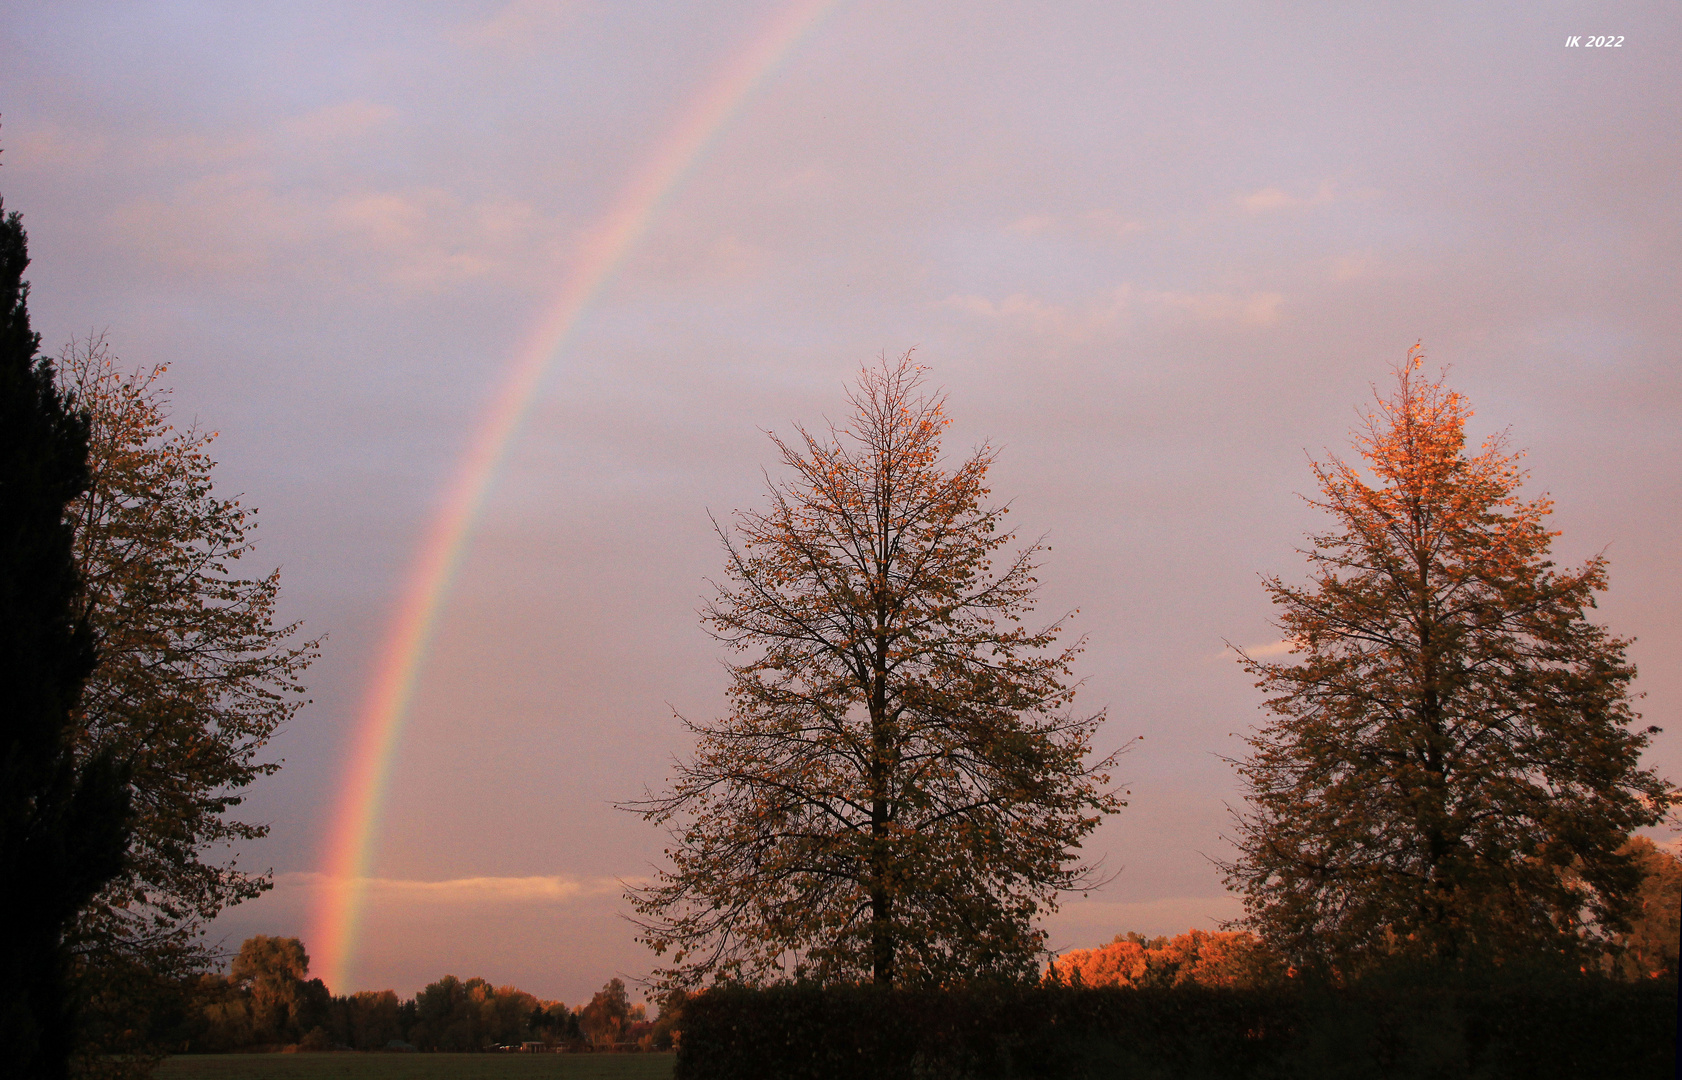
point(1576, 1028)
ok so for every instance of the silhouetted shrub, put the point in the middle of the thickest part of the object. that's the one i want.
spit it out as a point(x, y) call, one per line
point(1398, 1027)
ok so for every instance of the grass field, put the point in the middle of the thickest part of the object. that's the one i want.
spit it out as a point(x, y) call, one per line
point(417, 1067)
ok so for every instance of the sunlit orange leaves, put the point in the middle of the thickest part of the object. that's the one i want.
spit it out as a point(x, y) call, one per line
point(1201, 957)
point(1451, 765)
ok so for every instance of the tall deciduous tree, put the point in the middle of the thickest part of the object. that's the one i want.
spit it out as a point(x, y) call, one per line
point(900, 785)
point(1451, 765)
point(194, 672)
point(63, 822)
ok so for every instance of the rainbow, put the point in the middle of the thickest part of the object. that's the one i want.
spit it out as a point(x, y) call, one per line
point(337, 911)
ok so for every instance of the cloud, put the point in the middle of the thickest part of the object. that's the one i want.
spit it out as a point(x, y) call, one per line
point(241, 224)
point(344, 120)
point(1032, 225)
point(1071, 322)
point(321, 136)
point(518, 27)
point(1282, 647)
point(390, 217)
point(1113, 310)
point(53, 144)
point(711, 259)
point(211, 154)
point(197, 150)
point(214, 226)
point(1271, 199)
point(1111, 224)
point(1255, 309)
point(1350, 267)
point(1092, 225)
point(470, 890)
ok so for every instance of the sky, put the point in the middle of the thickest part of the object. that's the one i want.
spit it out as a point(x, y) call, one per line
point(1158, 255)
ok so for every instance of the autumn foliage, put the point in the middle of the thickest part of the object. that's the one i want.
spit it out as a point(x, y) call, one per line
point(1452, 764)
point(1649, 948)
point(901, 785)
point(1197, 957)
point(195, 673)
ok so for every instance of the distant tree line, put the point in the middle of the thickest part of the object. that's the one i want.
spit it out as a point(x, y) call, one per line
point(267, 1000)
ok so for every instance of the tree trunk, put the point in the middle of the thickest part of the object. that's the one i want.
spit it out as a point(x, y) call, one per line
point(881, 897)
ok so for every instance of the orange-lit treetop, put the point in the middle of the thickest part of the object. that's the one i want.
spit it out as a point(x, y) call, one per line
point(1450, 766)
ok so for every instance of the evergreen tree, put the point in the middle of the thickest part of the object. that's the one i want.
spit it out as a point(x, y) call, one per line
point(63, 824)
point(1451, 768)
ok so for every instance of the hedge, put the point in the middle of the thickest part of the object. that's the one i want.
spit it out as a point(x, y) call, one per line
point(1536, 1030)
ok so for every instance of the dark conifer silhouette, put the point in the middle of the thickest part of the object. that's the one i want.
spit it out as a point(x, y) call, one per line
point(63, 824)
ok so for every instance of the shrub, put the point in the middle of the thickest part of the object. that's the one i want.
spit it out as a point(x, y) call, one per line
point(1397, 1027)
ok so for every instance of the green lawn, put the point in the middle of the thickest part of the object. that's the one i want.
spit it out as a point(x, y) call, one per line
point(416, 1067)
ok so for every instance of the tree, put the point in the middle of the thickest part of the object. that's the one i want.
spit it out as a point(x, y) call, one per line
point(446, 1017)
point(285, 1003)
point(668, 1022)
point(473, 1015)
point(1649, 949)
point(554, 1023)
point(63, 822)
point(265, 999)
point(900, 785)
point(194, 674)
point(1450, 769)
point(366, 1020)
point(603, 1020)
point(1197, 957)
